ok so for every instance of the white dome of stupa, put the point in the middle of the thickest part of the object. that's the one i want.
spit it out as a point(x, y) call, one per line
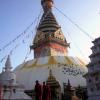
point(63, 68)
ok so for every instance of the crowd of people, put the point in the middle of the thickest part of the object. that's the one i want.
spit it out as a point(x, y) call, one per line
point(42, 92)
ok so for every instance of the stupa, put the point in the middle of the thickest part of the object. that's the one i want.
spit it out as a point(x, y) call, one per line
point(9, 88)
point(50, 52)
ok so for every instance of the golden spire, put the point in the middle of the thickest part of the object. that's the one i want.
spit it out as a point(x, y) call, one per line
point(51, 81)
point(49, 39)
point(51, 77)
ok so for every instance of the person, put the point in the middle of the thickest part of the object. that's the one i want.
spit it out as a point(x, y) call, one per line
point(38, 91)
point(44, 92)
point(48, 92)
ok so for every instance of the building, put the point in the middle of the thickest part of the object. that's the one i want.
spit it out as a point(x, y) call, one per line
point(55, 87)
point(9, 88)
point(93, 75)
point(50, 52)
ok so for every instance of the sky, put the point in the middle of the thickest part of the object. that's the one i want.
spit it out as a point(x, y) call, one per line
point(17, 15)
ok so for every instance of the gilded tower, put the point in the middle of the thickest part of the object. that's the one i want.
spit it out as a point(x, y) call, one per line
point(49, 39)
